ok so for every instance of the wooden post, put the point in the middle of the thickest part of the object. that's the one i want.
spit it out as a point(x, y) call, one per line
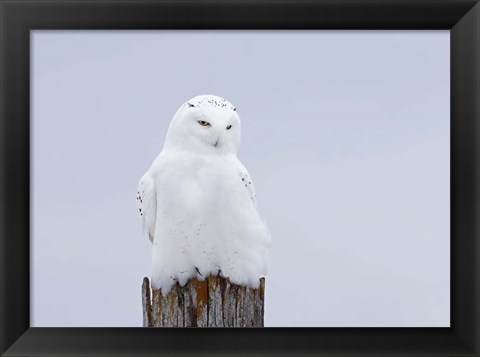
point(214, 302)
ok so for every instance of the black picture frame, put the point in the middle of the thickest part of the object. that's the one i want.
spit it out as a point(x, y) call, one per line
point(18, 17)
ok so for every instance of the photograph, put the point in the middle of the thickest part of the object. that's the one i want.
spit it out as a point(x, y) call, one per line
point(240, 178)
point(226, 178)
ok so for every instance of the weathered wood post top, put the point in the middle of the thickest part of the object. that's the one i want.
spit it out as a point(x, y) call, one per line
point(213, 302)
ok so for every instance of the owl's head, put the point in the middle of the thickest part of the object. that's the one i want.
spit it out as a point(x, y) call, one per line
point(205, 124)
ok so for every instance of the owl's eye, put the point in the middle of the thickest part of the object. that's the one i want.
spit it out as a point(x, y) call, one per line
point(229, 127)
point(203, 123)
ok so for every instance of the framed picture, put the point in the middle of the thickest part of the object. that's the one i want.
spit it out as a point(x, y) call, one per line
point(362, 144)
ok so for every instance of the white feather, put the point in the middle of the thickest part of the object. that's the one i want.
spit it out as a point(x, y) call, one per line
point(147, 204)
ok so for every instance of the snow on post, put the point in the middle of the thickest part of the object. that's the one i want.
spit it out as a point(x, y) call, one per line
point(213, 302)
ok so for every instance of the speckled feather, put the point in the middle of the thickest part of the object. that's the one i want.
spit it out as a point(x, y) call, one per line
point(209, 101)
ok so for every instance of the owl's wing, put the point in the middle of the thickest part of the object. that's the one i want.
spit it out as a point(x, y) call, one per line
point(247, 183)
point(147, 204)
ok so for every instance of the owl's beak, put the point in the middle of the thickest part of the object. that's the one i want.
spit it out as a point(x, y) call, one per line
point(216, 143)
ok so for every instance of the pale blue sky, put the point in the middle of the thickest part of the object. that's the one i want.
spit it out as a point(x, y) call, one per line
point(345, 134)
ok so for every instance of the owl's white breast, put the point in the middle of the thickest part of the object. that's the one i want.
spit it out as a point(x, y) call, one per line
point(205, 220)
point(199, 183)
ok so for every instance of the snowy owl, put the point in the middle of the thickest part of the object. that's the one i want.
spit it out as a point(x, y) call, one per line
point(197, 203)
